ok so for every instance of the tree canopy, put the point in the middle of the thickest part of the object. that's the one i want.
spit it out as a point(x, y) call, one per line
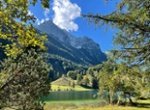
point(14, 31)
point(132, 18)
point(24, 72)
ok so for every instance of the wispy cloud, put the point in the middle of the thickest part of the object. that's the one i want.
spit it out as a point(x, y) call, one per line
point(46, 13)
point(46, 17)
point(30, 13)
point(65, 13)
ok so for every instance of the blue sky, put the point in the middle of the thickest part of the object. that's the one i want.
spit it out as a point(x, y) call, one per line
point(103, 35)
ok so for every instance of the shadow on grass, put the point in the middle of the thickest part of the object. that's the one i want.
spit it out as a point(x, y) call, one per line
point(142, 105)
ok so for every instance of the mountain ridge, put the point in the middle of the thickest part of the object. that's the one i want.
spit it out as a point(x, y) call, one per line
point(69, 51)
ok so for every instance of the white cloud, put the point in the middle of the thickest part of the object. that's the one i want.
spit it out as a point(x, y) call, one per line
point(39, 21)
point(46, 17)
point(46, 13)
point(30, 13)
point(65, 13)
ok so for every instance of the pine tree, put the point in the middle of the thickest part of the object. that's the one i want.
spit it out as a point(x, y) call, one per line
point(132, 18)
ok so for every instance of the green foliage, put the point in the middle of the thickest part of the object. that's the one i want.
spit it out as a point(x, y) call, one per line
point(132, 19)
point(24, 81)
point(13, 16)
point(79, 78)
point(72, 74)
point(63, 66)
point(123, 82)
point(24, 73)
point(85, 80)
point(89, 77)
point(108, 81)
point(94, 82)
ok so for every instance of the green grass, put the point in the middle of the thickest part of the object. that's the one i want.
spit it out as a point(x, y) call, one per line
point(110, 107)
point(67, 88)
point(74, 102)
point(92, 105)
point(143, 101)
point(70, 105)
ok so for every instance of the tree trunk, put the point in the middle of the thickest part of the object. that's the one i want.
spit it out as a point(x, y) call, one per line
point(111, 96)
point(118, 102)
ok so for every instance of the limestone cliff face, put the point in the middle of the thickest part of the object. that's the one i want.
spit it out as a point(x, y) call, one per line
point(80, 50)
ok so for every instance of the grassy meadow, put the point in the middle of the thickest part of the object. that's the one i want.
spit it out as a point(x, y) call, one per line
point(94, 105)
point(68, 88)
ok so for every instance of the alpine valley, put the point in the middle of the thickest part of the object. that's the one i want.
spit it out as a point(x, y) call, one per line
point(68, 52)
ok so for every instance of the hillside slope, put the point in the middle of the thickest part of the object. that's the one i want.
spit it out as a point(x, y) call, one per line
point(68, 52)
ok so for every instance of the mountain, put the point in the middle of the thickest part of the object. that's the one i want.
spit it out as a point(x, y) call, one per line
point(64, 48)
